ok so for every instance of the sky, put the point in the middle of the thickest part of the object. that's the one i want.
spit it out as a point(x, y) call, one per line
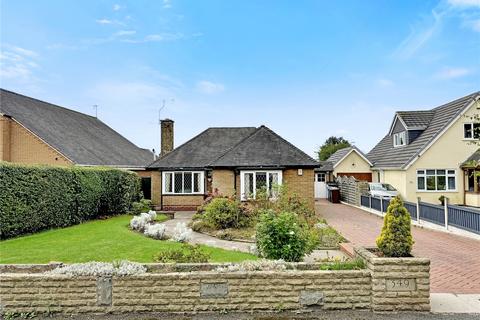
point(306, 69)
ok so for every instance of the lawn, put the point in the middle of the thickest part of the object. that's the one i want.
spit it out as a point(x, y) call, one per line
point(99, 240)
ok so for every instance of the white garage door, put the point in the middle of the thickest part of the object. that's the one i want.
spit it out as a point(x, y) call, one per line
point(320, 185)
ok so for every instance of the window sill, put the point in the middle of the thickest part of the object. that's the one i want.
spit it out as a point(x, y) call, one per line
point(183, 194)
point(437, 191)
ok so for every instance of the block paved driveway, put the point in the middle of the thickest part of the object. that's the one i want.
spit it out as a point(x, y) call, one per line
point(455, 260)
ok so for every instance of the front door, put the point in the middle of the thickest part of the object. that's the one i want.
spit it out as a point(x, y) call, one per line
point(320, 185)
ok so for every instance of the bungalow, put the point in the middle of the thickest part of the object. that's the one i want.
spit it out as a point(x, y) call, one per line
point(38, 132)
point(429, 153)
point(230, 161)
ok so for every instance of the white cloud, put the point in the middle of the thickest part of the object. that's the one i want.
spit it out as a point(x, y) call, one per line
point(167, 4)
point(419, 36)
point(464, 3)
point(452, 73)
point(208, 87)
point(117, 7)
point(104, 21)
point(122, 33)
point(17, 63)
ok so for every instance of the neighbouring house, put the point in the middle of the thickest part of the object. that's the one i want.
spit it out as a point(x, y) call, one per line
point(432, 153)
point(351, 162)
point(229, 161)
point(38, 132)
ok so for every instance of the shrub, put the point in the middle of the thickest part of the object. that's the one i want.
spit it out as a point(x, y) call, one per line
point(155, 231)
point(396, 239)
point(225, 213)
point(182, 233)
point(259, 265)
point(356, 264)
point(35, 198)
point(143, 205)
point(185, 254)
point(283, 236)
point(120, 268)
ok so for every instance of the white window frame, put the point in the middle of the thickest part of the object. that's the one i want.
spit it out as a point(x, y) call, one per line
point(447, 175)
point(471, 124)
point(244, 196)
point(202, 182)
point(397, 137)
point(321, 174)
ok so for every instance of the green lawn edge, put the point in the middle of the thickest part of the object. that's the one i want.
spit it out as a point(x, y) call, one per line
point(99, 240)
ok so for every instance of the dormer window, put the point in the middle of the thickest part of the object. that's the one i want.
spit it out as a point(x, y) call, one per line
point(399, 139)
point(471, 131)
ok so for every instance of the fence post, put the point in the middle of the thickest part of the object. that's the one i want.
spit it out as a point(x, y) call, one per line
point(381, 205)
point(445, 208)
point(370, 201)
point(418, 209)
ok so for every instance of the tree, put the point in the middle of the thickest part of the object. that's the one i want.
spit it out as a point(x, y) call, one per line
point(330, 146)
point(396, 239)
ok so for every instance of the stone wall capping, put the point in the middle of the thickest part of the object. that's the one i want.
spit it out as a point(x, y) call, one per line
point(191, 288)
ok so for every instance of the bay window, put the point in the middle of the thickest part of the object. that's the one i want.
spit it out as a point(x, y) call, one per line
point(252, 181)
point(436, 180)
point(182, 182)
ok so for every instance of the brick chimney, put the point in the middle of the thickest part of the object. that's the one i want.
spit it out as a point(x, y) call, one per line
point(166, 134)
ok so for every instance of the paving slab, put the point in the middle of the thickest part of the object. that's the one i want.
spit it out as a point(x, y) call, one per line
point(455, 303)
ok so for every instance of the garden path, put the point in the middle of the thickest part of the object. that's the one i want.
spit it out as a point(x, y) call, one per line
point(200, 238)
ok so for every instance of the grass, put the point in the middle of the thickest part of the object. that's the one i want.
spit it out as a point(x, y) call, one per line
point(356, 264)
point(99, 240)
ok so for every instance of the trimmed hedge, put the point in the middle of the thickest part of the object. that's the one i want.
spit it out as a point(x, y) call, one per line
point(34, 198)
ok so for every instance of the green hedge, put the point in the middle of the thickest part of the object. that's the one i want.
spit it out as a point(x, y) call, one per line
point(34, 198)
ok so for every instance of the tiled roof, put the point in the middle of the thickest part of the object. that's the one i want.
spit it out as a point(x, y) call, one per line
point(473, 160)
point(339, 154)
point(82, 138)
point(235, 147)
point(384, 155)
point(416, 119)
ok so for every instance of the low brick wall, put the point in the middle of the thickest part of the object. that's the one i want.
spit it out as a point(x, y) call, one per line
point(187, 292)
point(398, 284)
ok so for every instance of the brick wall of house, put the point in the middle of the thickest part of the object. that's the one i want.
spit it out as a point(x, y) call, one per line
point(181, 202)
point(4, 138)
point(22, 146)
point(156, 187)
point(224, 181)
point(302, 185)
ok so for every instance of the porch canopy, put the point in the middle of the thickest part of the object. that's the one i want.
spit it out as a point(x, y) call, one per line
point(471, 167)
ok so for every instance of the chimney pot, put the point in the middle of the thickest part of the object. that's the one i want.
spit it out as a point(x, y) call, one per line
point(166, 132)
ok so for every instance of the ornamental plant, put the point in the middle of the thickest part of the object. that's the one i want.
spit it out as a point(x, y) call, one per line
point(396, 239)
point(283, 236)
point(223, 213)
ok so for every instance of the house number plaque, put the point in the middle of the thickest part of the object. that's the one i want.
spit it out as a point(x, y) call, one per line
point(400, 284)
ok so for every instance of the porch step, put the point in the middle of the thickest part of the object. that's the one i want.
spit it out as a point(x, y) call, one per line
point(347, 248)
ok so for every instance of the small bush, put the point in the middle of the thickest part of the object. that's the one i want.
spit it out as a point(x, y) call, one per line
point(283, 236)
point(396, 239)
point(155, 231)
point(120, 268)
point(259, 265)
point(143, 205)
point(187, 253)
point(182, 233)
point(356, 264)
point(225, 213)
